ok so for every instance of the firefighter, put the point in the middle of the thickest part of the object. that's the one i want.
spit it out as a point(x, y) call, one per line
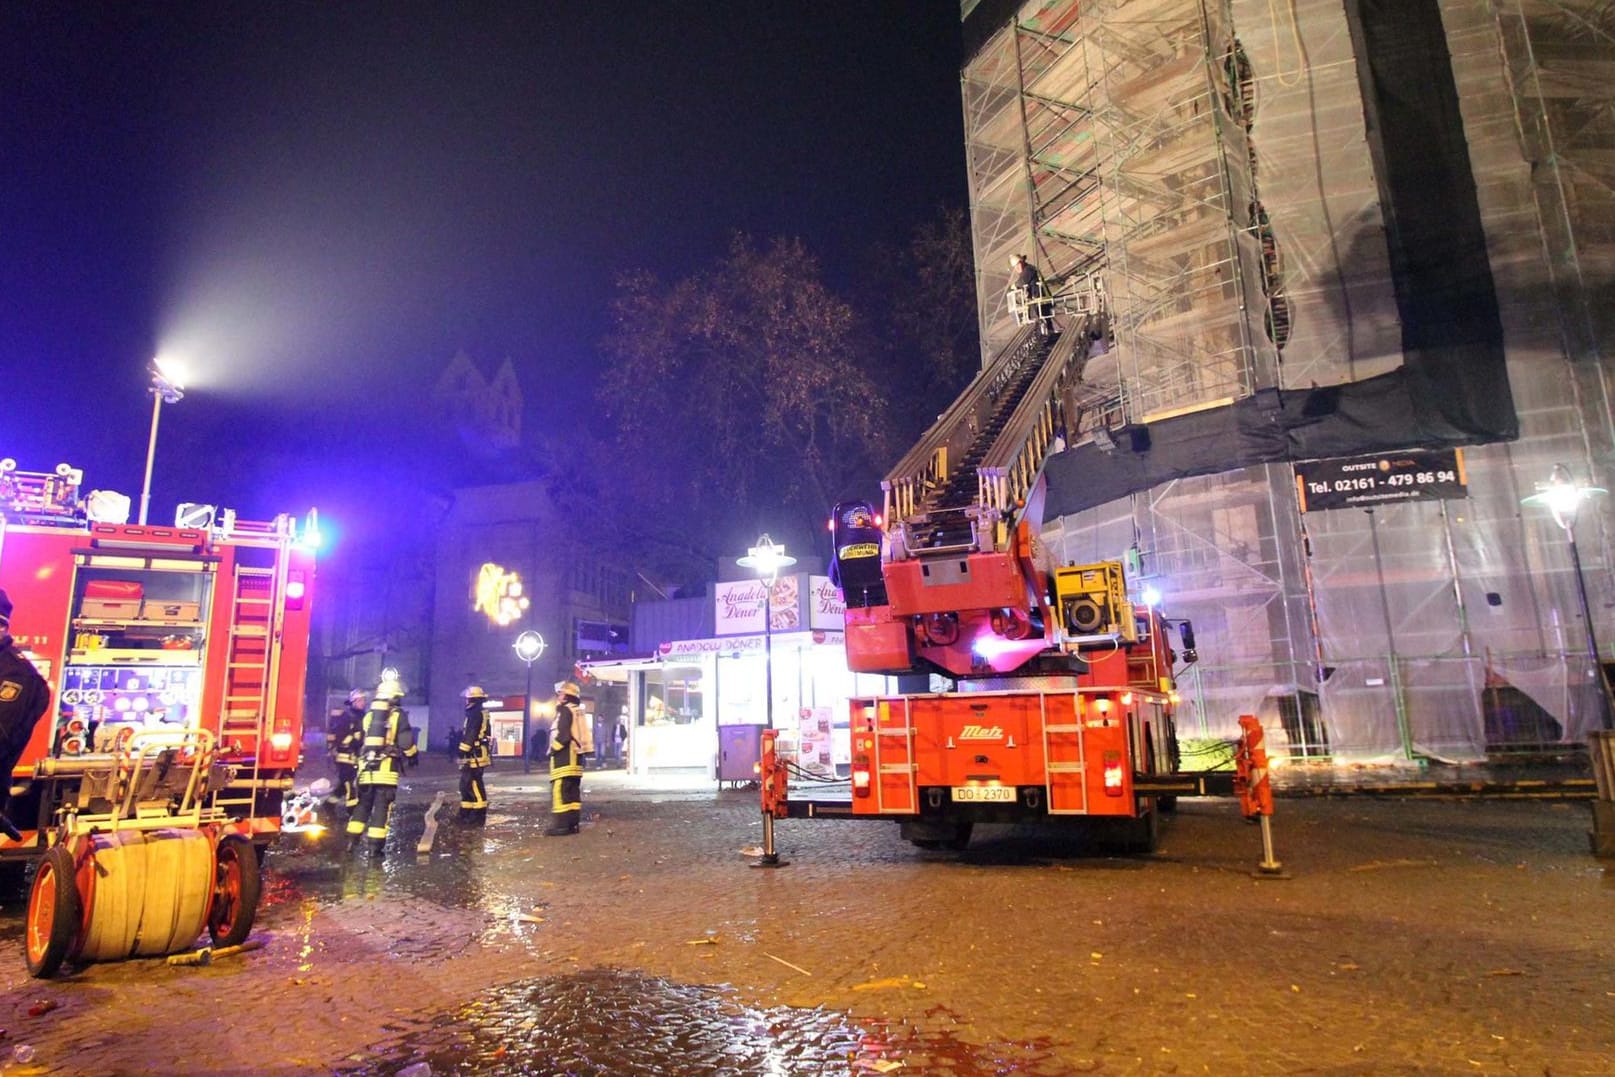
point(342, 740)
point(1025, 276)
point(387, 746)
point(24, 698)
point(475, 756)
point(566, 767)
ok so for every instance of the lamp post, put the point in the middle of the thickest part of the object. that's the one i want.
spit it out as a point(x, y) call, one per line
point(1563, 496)
point(766, 559)
point(529, 645)
point(166, 388)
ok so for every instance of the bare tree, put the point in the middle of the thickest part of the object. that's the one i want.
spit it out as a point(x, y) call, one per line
point(738, 398)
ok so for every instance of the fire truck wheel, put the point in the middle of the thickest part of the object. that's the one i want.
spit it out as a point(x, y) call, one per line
point(1140, 835)
point(1163, 803)
point(53, 913)
point(235, 892)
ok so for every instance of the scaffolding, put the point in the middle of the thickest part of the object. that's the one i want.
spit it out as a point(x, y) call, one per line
point(1205, 164)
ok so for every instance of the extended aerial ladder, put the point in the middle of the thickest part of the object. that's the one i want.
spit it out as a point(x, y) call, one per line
point(959, 552)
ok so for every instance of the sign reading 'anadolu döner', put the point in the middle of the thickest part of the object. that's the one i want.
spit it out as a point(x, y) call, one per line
point(739, 605)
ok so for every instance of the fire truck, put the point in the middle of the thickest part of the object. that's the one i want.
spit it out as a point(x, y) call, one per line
point(176, 658)
point(1058, 692)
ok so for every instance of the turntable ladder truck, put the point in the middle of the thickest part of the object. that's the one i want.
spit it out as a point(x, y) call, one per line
point(1061, 692)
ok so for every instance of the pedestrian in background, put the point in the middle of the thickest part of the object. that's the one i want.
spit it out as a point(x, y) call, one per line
point(388, 745)
point(342, 740)
point(475, 755)
point(24, 698)
point(566, 766)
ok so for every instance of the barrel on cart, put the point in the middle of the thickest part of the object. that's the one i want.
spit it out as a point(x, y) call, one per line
point(138, 868)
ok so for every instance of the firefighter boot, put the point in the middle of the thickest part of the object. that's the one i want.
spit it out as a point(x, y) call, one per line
point(560, 828)
point(375, 848)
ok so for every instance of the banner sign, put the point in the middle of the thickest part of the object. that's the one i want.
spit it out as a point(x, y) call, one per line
point(1366, 481)
point(740, 606)
point(738, 645)
point(825, 607)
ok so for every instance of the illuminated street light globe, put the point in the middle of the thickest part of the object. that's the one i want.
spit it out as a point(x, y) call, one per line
point(529, 645)
point(1562, 496)
point(766, 558)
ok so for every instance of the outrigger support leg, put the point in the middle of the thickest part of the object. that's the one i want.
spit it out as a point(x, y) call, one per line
point(1255, 791)
point(774, 784)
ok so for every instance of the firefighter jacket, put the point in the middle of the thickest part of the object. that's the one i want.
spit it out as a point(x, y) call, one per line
point(388, 743)
point(476, 739)
point(24, 698)
point(346, 736)
point(564, 761)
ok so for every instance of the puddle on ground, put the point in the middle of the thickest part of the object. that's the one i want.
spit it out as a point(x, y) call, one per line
point(617, 1023)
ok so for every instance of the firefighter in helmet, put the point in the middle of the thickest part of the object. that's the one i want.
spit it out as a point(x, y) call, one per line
point(566, 766)
point(475, 756)
point(24, 698)
point(387, 745)
point(342, 740)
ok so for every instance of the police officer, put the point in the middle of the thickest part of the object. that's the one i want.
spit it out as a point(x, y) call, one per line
point(386, 746)
point(475, 756)
point(24, 698)
point(566, 767)
point(342, 740)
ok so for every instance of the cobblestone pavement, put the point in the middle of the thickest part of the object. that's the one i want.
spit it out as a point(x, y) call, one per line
point(1415, 937)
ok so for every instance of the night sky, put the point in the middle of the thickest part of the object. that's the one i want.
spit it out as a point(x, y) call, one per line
point(316, 205)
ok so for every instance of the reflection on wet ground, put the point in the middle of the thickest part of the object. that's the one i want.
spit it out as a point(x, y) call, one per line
point(621, 1023)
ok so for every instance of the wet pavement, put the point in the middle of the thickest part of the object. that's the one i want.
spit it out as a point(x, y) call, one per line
point(1413, 937)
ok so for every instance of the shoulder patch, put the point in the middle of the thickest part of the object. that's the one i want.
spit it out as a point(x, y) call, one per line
point(9, 690)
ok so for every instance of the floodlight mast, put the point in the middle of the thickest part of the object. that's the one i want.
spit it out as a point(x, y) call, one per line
point(166, 388)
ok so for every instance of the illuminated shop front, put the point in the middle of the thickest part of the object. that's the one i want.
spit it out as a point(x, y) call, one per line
point(698, 706)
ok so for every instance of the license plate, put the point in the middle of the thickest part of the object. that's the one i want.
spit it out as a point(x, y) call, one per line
point(984, 794)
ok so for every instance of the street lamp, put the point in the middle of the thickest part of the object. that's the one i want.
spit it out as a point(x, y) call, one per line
point(1563, 497)
point(529, 645)
point(166, 388)
point(766, 559)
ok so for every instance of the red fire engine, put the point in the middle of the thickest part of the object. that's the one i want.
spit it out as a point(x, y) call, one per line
point(1059, 692)
point(176, 659)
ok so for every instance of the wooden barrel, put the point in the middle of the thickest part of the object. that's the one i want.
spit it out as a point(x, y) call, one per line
point(151, 893)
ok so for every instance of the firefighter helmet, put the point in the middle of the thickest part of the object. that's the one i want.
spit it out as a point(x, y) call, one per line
point(390, 689)
point(474, 692)
point(568, 688)
point(358, 695)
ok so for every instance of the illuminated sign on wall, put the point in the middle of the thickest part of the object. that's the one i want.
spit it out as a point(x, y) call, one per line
point(498, 593)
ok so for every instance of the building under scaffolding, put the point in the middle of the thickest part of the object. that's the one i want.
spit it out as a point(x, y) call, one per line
point(1324, 231)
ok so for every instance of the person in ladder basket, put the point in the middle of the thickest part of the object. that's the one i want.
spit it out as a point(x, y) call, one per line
point(1024, 275)
point(342, 740)
point(567, 742)
point(24, 698)
point(475, 757)
point(388, 745)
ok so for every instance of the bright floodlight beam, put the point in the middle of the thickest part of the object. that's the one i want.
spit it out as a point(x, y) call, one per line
point(1563, 496)
point(167, 387)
